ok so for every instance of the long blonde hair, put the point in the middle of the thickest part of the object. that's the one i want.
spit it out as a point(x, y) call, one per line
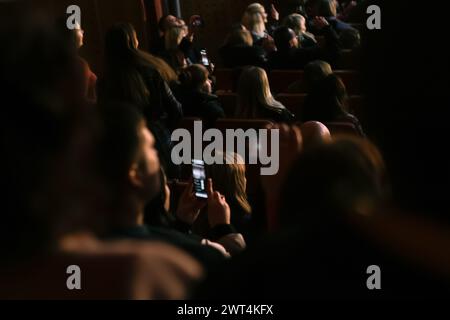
point(254, 94)
point(253, 18)
point(229, 179)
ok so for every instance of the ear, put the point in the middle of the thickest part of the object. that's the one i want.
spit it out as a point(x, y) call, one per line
point(134, 176)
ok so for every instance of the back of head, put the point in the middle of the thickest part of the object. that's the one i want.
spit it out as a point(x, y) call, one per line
point(315, 72)
point(253, 17)
point(329, 181)
point(229, 179)
point(254, 93)
point(119, 44)
point(328, 98)
point(314, 133)
point(193, 77)
point(240, 38)
point(283, 36)
point(295, 22)
point(326, 8)
point(350, 39)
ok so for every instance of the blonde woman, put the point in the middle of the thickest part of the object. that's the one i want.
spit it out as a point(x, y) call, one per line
point(255, 99)
point(255, 20)
point(229, 179)
point(297, 23)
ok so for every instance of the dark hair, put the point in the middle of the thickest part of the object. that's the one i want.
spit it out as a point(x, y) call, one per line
point(194, 76)
point(119, 141)
point(37, 125)
point(162, 23)
point(282, 36)
point(350, 38)
point(327, 99)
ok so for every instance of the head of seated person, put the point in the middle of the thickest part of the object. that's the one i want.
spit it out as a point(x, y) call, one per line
point(350, 39)
point(285, 39)
point(256, 24)
point(166, 22)
point(127, 163)
point(314, 133)
point(255, 99)
point(315, 72)
point(254, 12)
point(196, 96)
point(295, 22)
point(331, 181)
point(327, 100)
point(196, 78)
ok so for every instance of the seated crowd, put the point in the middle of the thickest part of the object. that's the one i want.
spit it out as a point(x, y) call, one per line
point(89, 178)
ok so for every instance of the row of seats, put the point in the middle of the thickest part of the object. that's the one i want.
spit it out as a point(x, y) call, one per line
point(280, 80)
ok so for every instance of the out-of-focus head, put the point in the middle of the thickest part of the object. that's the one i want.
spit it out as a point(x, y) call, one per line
point(315, 133)
point(285, 38)
point(295, 22)
point(240, 37)
point(127, 158)
point(167, 22)
point(45, 137)
point(350, 39)
point(326, 8)
point(256, 8)
point(196, 77)
point(120, 42)
point(329, 181)
point(331, 92)
point(255, 18)
point(315, 72)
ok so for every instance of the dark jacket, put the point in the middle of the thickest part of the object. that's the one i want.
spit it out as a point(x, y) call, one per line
point(297, 58)
point(200, 104)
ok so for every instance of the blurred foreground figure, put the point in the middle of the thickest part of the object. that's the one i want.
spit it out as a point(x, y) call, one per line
point(49, 186)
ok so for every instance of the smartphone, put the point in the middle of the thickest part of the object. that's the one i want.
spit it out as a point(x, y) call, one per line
point(205, 59)
point(199, 177)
